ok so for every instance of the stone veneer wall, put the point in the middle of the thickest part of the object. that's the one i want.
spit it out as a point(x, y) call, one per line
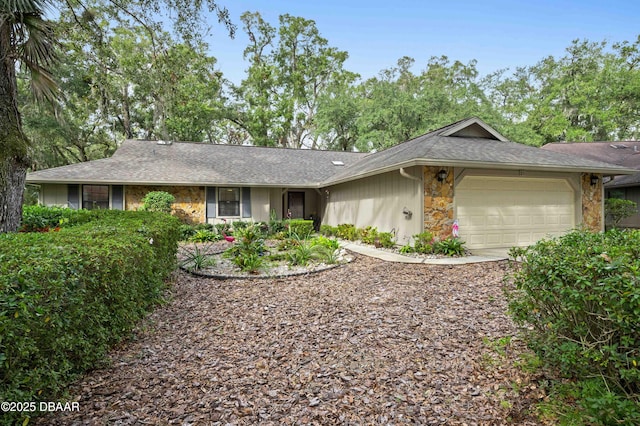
point(189, 206)
point(438, 202)
point(592, 216)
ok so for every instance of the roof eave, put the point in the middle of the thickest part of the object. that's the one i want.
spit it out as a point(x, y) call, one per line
point(41, 181)
point(606, 171)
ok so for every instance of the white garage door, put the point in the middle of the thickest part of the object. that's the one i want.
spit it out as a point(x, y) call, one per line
point(497, 212)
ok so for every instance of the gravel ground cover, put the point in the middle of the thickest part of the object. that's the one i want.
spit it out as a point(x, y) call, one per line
point(366, 343)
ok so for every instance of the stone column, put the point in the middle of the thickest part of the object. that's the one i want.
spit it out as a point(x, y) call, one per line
point(438, 201)
point(592, 208)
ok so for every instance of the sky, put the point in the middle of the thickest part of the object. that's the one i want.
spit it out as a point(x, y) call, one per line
point(497, 34)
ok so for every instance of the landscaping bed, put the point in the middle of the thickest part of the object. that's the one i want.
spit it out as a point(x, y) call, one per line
point(224, 268)
point(370, 342)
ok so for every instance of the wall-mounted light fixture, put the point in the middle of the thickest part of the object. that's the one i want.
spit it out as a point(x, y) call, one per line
point(441, 176)
point(407, 213)
point(594, 179)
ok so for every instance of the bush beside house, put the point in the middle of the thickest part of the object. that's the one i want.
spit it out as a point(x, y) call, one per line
point(579, 298)
point(66, 297)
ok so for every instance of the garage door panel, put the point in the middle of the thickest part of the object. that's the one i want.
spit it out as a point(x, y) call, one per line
point(567, 221)
point(539, 220)
point(493, 220)
point(503, 212)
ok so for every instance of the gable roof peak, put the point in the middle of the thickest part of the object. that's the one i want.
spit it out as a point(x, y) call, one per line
point(472, 128)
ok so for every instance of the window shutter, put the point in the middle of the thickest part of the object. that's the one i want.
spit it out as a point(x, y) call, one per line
point(117, 197)
point(73, 196)
point(211, 202)
point(246, 202)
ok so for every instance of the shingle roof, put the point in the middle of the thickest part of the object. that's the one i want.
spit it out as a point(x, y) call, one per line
point(466, 143)
point(624, 153)
point(622, 181)
point(147, 162)
point(441, 147)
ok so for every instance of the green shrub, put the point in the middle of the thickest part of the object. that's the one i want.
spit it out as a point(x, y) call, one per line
point(248, 249)
point(346, 231)
point(301, 228)
point(386, 239)
point(580, 293)
point(223, 228)
point(186, 231)
point(251, 262)
point(206, 226)
point(367, 235)
point(205, 236)
point(276, 226)
point(423, 242)
point(303, 251)
point(38, 218)
point(616, 210)
point(66, 297)
point(407, 249)
point(240, 225)
point(158, 201)
point(328, 230)
point(449, 247)
point(324, 241)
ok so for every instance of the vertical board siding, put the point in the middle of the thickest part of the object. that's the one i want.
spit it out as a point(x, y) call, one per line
point(378, 201)
point(260, 207)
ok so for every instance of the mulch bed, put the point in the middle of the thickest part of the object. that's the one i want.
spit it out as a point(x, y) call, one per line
point(367, 343)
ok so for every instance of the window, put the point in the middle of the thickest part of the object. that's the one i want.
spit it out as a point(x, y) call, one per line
point(95, 197)
point(228, 202)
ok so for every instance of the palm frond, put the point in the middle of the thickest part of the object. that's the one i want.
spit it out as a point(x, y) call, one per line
point(43, 85)
point(38, 44)
point(18, 7)
point(33, 43)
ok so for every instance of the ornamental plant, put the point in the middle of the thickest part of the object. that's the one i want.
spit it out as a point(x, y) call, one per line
point(579, 298)
point(423, 242)
point(158, 201)
point(367, 235)
point(248, 250)
point(449, 247)
point(616, 210)
point(386, 239)
point(346, 231)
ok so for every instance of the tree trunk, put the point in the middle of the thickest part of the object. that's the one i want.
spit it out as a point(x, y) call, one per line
point(14, 158)
point(126, 116)
point(12, 176)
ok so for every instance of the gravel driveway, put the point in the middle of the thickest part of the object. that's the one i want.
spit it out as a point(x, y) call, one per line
point(366, 343)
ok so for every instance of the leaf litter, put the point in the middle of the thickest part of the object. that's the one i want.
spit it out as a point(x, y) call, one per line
point(367, 343)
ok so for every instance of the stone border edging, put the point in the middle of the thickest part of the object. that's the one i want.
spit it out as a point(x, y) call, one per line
point(198, 273)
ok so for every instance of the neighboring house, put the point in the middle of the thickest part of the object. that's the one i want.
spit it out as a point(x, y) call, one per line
point(501, 193)
point(626, 154)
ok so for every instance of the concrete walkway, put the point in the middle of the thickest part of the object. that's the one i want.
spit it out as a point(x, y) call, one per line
point(481, 256)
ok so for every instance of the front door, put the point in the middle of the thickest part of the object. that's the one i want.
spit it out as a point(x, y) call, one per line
point(296, 205)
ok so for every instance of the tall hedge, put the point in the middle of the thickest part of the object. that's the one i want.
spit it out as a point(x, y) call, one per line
point(66, 297)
